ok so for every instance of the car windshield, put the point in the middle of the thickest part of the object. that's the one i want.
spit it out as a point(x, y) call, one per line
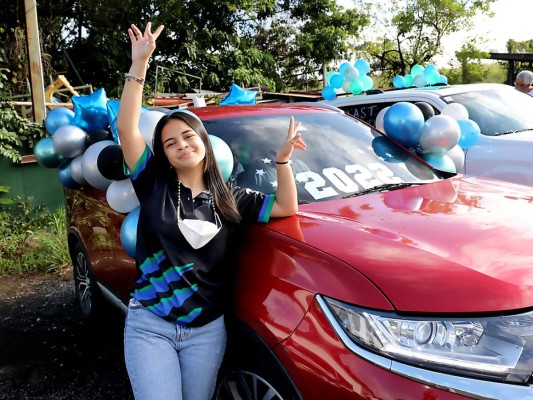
point(343, 156)
point(497, 112)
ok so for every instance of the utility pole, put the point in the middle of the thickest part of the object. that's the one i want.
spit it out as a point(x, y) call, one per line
point(36, 67)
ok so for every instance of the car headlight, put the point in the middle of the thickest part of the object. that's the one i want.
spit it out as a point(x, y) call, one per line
point(498, 348)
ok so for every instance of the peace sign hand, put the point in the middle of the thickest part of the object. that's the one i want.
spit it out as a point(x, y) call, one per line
point(143, 43)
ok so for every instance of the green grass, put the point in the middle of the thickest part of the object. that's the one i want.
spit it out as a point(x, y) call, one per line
point(32, 238)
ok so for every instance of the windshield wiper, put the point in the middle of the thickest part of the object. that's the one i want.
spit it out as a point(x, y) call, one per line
point(508, 132)
point(382, 188)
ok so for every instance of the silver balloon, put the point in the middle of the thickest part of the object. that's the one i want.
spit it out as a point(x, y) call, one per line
point(379, 119)
point(121, 196)
point(455, 110)
point(147, 122)
point(89, 165)
point(457, 155)
point(69, 140)
point(76, 170)
point(439, 134)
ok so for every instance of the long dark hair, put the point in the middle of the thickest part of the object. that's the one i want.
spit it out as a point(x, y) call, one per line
point(224, 201)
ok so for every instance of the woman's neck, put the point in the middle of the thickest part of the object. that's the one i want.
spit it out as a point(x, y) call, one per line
point(192, 180)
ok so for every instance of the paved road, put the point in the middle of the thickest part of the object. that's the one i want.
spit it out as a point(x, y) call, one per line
point(48, 351)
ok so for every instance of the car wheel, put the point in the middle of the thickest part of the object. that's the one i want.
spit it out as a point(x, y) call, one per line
point(245, 385)
point(87, 293)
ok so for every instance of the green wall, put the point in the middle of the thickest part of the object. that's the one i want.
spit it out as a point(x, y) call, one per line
point(32, 180)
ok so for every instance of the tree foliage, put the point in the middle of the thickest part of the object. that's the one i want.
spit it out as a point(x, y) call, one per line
point(410, 32)
point(268, 42)
point(470, 70)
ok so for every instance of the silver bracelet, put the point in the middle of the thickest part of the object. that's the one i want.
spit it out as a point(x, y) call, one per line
point(129, 76)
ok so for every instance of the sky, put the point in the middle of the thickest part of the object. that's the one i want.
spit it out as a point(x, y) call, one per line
point(510, 21)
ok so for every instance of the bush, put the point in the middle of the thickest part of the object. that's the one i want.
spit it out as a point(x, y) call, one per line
point(32, 238)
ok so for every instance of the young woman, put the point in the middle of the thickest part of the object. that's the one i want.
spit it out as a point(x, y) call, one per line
point(175, 335)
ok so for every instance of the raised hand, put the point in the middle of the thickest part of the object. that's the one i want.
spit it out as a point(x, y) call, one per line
point(143, 43)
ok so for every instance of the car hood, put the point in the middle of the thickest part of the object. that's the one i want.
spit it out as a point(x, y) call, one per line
point(459, 245)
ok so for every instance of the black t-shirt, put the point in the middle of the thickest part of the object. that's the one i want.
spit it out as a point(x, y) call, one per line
point(175, 281)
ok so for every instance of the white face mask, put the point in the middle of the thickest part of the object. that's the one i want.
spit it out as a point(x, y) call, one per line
point(196, 231)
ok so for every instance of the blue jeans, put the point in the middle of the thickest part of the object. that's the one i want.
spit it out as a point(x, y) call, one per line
point(168, 361)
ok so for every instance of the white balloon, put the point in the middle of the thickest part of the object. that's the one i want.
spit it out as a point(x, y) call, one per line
point(70, 140)
point(379, 120)
point(420, 81)
point(89, 165)
point(121, 196)
point(147, 122)
point(346, 86)
point(457, 155)
point(439, 134)
point(76, 170)
point(455, 110)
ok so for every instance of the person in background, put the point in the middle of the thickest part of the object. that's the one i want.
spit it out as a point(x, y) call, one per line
point(175, 336)
point(524, 82)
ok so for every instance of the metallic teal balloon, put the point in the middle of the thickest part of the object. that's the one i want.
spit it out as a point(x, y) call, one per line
point(441, 162)
point(223, 155)
point(46, 154)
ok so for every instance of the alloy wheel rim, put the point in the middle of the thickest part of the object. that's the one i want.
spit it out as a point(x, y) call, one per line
point(245, 385)
point(83, 283)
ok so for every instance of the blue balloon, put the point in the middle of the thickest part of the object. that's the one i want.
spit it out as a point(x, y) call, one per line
point(337, 80)
point(328, 93)
point(58, 117)
point(398, 82)
point(46, 154)
point(238, 95)
point(441, 162)
point(128, 232)
point(389, 151)
point(112, 113)
point(431, 67)
point(362, 66)
point(443, 79)
point(343, 66)
point(329, 75)
point(90, 111)
point(403, 122)
point(65, 176)
point(431, 76)
point(470, 132)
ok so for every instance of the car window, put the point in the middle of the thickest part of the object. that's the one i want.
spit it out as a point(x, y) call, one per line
point(366, 112)
point(497, 111)
point(343, 156)
point(369, 111)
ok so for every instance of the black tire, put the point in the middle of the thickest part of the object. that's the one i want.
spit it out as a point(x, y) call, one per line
point(88, 295)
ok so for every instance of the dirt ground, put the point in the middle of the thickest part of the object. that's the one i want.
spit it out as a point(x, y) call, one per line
point(48, 351)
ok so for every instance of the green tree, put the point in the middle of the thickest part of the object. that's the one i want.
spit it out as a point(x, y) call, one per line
point(272, 42)
point(470, 70)
point(410, 32)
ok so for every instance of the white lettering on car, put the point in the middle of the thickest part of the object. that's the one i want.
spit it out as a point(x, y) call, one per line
point(366, 177)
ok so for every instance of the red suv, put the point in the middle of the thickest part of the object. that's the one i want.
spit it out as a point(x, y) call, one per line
point(393, 281)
